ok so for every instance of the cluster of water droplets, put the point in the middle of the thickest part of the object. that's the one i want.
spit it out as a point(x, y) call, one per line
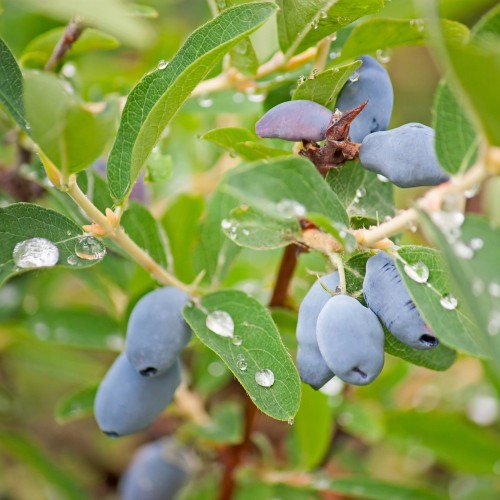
point(221, 323)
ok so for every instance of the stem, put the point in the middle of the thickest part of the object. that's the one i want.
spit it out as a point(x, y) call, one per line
point(285, 274)
point(121, 238)
point(71, 34)
point(337, 261)
point(321, 57)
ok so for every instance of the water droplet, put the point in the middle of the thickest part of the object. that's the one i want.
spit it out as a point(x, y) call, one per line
point(449, 302)
point(334, 54)
point(245, 232)
point(463, 251)
point(162, 64)
point(226, 224)
point(205, 102)
point(450, 222)
point(360, 192)
point(471, 192)
point(265, 377)
point(417, 23)
point(383, 56)
point(72, 260)
point(382, 178)
point(68, 233)
point(90, 248)
point(354, 77)
point(477, 287)
point(323, 14)
point(494, 323)
point(301, 79)
point(34, 253)
point(290, 421)
point(494, 289)
point(332, 37)
point(221, 323)
point(237, 340)
point(418, 272)
point(412, 226)
point(241, 363)
point(291, 208)
point(69, 70)
point(315, 24)
point(476, 243)
point(253, 97)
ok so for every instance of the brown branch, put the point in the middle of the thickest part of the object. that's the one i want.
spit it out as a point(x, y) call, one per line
point(71, 34)
point(285, 274)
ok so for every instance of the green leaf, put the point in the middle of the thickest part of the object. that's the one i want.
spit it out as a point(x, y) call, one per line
point(23, 221)
point(113, 16)
point(226, 426)
point(11, 86)
point(456, 140)
point(361, 192)
point(142, 227)
point(243, 142)
point(453, 328)
point(75, 137)
point(95, 188)
point(180, 222)
point(261, 348)
point(312, 441)
point(81, 328)
point(326, 86)
point(157, 97)
point(77, 405)
point(376, 489)
point(382, 34)
point(284, 179)
point(477, 279)
point(479, 448)
point(262, 230)
point(301, 24)
point(488, 27)
point(440, 358)
point(42, 46)
point(159, 167)
point(362, 419)
point(24, 450)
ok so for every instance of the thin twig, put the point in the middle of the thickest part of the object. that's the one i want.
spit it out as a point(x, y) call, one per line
point(71, 34)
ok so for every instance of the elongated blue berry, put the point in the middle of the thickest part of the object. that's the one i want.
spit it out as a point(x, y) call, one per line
point(127, 402)
point(158, 471)
point(295, 121)
point(312, 368)
point(388, 298)
point(405, 155)
point(372, 85)
point(351, 340)
point(157, 332)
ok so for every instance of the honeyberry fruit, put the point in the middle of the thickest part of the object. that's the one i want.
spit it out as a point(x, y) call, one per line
point(405, 155)
point(374, 86)
point(126, 402)
point(312, 368)
point(351, 340)
point(386, 295)
point(157, 332)
point(295, 121)
point(156, 472)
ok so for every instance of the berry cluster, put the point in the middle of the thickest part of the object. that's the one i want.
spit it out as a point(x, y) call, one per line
point(404, 155)
point(142, 380)
point(337, 335)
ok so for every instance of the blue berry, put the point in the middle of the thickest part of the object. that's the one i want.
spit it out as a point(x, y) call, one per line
point(157, 332)
point(405, 155)
point(312, 368)
point(388, 298)
point(375, 86)
point(157, 472)
point(351, 340)
point(295, 121)
point(127, 402)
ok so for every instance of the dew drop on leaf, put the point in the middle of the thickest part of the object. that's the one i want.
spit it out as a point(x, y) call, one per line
point(34, 253)
point(383, 56)
point(290, 421)
point(494, 289)
point(494, 323)
point(237, 340)
point(354, 77)
point(265, 377)
point(476, 243)
point(418, 272)
point(162, 64)
point(463, 251)
point(221, 323)
point(241, 363)
point(205, 102)
point(89, 248)
point(360, 192)
point(382, 178)
point(449, 302)
point(72, 260)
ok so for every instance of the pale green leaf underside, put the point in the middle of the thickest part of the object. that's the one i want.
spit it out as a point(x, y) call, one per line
point(76, 405)
point(456, 140)
point(158, 96)
point(261, 348)
point(453, 328)
point(11, 86)
point(23, 221)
